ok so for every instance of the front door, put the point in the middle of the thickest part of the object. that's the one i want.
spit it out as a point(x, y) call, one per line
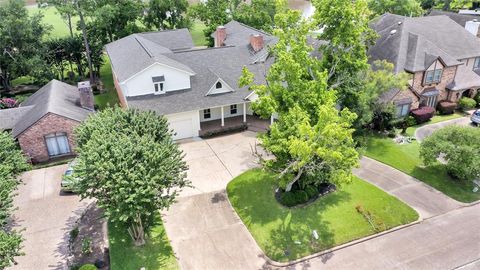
point(432, 101)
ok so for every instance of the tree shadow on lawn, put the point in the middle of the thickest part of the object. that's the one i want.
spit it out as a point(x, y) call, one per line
point(283, 233)
point(436, 176)
point(155, 254)
point(294, 238)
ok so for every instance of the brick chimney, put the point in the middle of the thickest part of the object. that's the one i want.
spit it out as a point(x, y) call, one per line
point(256, 41)
point(86, 95)
point(220, 36)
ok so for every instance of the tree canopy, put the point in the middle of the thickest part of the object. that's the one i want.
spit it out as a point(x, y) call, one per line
point(311, 140)
point(12, 163)
point(167, 14)
point(458, 146)
point(21, 44)
point(129, 163)
point(400, 7)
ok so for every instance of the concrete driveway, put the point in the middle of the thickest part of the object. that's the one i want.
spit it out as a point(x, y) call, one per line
point(47, 216)
point(214, 162)
point(427, 130)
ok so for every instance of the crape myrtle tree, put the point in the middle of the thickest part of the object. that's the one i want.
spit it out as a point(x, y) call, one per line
point(459, 147)
point(12, 162)
point(311, 139)
point(128, 162)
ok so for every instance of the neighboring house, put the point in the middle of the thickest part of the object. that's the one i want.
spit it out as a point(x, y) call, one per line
point(469, 22)
point(195, 88)
point(442, 58)
point(44, 123)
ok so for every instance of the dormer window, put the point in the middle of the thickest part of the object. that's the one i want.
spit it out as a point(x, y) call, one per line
point(218, 85)
point(158, 84)
point(476, 63)
point(433, 76)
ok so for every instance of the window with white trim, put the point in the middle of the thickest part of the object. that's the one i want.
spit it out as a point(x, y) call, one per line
point(476, 63)
point(207, 114)
point(403, 109)
point(159, 88)
point(57, 144)
point(233, 109)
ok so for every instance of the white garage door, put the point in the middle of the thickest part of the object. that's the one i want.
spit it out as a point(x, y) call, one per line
point(183, 128)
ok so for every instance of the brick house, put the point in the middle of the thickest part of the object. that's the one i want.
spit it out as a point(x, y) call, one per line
point(44, 123)
point(442, 58)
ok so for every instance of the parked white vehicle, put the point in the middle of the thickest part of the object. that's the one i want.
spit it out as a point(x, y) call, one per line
point(476, 117)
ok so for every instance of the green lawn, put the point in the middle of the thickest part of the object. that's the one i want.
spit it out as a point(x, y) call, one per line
point(156, 254)
point(109, 97)
point(406, 158)
point(276, 228)
point(53, 18)
point(197, 34)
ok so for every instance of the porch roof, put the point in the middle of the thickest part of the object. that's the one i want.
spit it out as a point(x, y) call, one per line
point(464, 79)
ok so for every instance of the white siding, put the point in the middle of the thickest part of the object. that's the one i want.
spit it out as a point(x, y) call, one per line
point(141, 84)
point(185, 124)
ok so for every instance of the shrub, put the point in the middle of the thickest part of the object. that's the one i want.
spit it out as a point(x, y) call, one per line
point(446, 107)
point(88, 267)
point(7, 103)
point(423, 114)
point(311, 191)
point(477, 98)
point(459, 146)
point(293, 198)
point(466, 103)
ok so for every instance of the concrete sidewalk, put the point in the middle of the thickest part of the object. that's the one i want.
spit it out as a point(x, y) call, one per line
point(426, 200)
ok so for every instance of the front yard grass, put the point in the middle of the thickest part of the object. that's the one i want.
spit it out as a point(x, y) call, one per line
point(286, 234)
point(406, 158)
point(109, 97)
point(154, 255)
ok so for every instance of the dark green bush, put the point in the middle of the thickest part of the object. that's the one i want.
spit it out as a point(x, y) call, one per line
point(477, 98)
point(446, 107)
point(311, 191)
point(293, 198)
point(466, 103)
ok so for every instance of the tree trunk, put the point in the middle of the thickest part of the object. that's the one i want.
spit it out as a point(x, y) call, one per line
point(295, 179)
point(69, 19)
point(85, 40)
point(137, 232)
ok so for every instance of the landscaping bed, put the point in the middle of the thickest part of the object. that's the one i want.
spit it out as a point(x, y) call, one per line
point(155, 254)
point(350, 213)
point(406, 158)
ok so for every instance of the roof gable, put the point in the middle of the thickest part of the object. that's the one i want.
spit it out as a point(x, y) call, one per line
point(219, 87)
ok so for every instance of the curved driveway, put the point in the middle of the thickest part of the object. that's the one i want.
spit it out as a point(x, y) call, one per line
point(427, 130)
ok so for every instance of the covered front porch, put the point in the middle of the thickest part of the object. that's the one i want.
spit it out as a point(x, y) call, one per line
point(252, 122)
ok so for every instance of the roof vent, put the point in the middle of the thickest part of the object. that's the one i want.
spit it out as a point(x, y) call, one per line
point(475, 20)
point(393, 31)
point(399, 23)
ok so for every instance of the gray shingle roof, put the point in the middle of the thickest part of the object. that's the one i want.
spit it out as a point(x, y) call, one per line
point(55, 97)
point(9, 117)
point(130, 55)
point(413, 43)
point(461, 19)
point(465, 78)
point(209, 65)
point(134, 53)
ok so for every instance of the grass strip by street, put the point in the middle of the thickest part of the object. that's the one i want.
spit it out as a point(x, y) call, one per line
point(286, 234)
point(154, 255)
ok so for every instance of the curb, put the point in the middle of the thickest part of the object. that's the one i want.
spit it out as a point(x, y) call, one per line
point(340, 247)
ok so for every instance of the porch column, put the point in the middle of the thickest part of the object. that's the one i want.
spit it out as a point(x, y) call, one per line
point(244, 112)
point(271, 119)
point(223, 120)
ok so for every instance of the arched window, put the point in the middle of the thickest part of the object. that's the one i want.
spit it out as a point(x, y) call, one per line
point(57, 144)
point(218, 85)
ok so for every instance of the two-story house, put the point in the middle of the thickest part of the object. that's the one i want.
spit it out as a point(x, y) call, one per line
point(442, 58)
point(196, 89)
